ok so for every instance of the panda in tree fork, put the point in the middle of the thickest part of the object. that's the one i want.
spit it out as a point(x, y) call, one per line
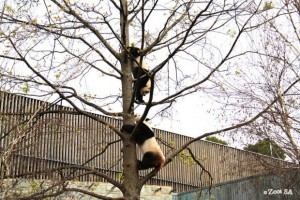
point(142, 83)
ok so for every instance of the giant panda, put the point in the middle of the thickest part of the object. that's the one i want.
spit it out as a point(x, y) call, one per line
point(144, 84)
point(151, 152)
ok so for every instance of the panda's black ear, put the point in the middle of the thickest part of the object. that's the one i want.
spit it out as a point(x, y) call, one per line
point(134, 51)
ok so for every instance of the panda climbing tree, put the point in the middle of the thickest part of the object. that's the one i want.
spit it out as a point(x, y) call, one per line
point(153, 156)
point(142, 83)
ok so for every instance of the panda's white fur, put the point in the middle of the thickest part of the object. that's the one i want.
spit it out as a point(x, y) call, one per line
point(144, 85)
point(146, 89)
point(134, 64)
point(149, 146)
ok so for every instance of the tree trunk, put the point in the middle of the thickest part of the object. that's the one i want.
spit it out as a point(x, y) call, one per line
point(131, 178)
point(131, 189)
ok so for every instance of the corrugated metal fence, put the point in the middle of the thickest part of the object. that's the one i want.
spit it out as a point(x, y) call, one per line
point(40, 142)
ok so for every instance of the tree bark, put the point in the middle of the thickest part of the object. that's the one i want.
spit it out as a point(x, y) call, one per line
point(130, 189)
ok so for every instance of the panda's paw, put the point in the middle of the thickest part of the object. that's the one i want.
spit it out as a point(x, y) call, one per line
point(140, 101)
point(140, 165)
point(127, 128)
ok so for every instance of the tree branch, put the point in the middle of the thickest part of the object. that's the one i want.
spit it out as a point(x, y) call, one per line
point(175, 153)
point(89, 26)
point(56, 89)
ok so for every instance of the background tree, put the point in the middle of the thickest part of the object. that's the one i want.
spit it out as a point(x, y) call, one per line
point(266, 147)
point(268, 71)
point(70, 50)
point(216, 140)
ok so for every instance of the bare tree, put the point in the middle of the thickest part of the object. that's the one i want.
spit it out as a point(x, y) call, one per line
point(77, 52)
point(274, 62)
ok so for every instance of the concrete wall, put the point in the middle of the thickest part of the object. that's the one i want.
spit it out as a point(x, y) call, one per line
point(12, 188)
point(279, 186)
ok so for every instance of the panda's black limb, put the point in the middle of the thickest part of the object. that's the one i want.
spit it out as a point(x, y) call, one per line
point(139, 102)
point(141, 79)
point(127, 128)
point(139, 99)
point(138, 96)
point(149, 160)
